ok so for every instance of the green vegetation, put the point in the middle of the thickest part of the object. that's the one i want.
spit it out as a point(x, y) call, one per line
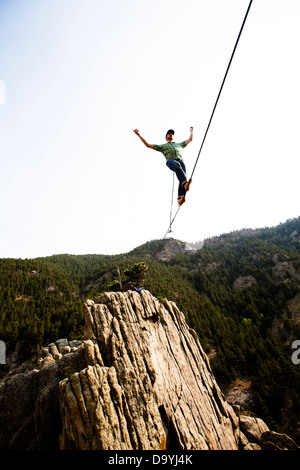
point(240, 293)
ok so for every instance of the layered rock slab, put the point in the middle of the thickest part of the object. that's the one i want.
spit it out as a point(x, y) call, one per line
point(148, 384)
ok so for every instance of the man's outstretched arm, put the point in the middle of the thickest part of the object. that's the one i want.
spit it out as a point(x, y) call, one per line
point(190, 137)
point(150, 146)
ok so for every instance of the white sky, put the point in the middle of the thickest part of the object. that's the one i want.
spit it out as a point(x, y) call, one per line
point(79, 75)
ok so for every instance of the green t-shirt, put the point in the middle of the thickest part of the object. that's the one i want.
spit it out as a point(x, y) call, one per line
point(171, 150)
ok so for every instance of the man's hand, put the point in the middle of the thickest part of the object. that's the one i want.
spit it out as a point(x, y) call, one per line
point(137, 132)
point(190, 137)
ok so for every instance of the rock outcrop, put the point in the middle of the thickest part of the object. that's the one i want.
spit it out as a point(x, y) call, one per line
point(139, 380)
point(244, 281)
point(170, 249)
point(148, 384)
point(29, 397)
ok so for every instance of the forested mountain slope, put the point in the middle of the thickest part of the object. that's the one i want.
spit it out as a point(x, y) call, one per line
point(240, 292)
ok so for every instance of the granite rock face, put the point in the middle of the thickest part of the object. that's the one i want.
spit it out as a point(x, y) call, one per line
point(148, 385)
point(139, 380)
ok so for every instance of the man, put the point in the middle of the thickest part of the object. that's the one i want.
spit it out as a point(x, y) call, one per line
point(174, 160)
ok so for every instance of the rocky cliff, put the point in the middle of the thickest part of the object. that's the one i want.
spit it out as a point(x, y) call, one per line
point(139, 380)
